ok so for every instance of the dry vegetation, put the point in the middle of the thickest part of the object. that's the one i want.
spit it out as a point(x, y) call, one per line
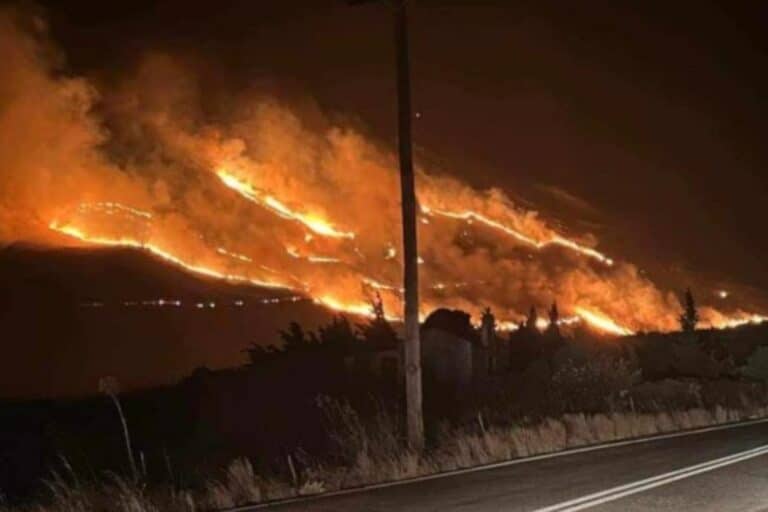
point(573, 403)
point(372, 451)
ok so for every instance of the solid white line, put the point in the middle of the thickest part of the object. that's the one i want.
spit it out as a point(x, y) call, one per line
point(496, 465)
point(621, 491)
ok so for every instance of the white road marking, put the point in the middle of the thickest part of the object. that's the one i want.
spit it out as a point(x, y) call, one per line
point(496, 465)
point(614, 493)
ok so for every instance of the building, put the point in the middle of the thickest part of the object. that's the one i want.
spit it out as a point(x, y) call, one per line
point(456, 353)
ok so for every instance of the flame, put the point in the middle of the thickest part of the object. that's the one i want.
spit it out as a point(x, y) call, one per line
point(730, 323)
point(602, 322)
point(355, 308)
point(79, 234)
point(111, 208)
point(315, 223)
point(241, 257)
point(595, 319)
point(295, 170)
point(470, 216)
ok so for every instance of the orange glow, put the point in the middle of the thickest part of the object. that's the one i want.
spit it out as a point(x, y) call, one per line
point(74, 232)
point(255, 191)
point(470, 216)
point(110, 208)
point(346, 307)
point(595, 319)
point(234, 255)
point(602, 322)
point(315, 223)
point(738, 321)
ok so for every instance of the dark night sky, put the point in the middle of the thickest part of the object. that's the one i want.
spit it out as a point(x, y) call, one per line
point(652, 113)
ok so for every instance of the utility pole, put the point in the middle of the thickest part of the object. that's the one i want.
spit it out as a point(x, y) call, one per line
point(412, 352)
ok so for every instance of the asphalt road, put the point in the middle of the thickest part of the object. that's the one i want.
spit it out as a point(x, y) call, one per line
point(721, 470)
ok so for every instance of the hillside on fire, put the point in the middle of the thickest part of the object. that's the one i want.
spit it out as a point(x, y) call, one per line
point(395, 254)
point(115, 311)
point(236, 184)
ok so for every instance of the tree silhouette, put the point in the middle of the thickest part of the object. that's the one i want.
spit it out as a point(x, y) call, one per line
point(690, 316)
point(378, 332)
point(258, 354)
point(553, 329)
point(487, 327)
point(532, 320)
point(294, 338)
point(337, 336)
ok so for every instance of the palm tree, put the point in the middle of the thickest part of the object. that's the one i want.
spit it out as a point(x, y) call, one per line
point(415, 421)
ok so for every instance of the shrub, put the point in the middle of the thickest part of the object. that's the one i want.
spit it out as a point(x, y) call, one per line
point(756, 366)
point(594, 385)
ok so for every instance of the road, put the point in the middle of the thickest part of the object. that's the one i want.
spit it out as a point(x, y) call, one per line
point(719, 470)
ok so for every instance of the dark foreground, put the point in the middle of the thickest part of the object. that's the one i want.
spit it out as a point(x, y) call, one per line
point(619, 478)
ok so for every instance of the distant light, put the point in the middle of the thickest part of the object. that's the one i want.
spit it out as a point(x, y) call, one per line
point(238, 303)
point(723, 294)
point(200, 305)
point(418, 115)
point(211, 304)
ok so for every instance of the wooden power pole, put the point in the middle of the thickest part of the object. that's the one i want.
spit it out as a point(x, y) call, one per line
point(410, 240)
point(412, 352)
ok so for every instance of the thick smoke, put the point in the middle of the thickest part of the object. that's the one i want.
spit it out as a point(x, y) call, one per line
point(318, 204)
point(49, 138)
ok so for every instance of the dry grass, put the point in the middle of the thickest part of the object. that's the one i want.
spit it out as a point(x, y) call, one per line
point(368, 452)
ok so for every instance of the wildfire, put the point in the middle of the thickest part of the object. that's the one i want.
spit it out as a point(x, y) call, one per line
point(111, 208)
point(471, 216)
point(602, 322)
point(358, 308)
point(315, 223)
point(294, 253)
point(234, 255)
point(729, 323)
point(79, 234)
point(378, 285)
point(596, 319)
point(319, 243)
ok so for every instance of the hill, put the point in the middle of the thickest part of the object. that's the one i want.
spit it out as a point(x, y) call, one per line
point(72, 315)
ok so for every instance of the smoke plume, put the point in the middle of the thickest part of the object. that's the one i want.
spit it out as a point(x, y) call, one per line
point(246, 187)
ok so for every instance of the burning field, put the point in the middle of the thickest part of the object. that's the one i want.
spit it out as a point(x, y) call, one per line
point(250, 189)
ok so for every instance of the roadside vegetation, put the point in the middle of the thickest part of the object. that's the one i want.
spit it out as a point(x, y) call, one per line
point(561, 391)
point(370, 452)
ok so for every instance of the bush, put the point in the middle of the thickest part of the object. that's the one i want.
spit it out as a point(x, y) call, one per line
point(757, 365)
point(594, 385)
point(665, 395)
